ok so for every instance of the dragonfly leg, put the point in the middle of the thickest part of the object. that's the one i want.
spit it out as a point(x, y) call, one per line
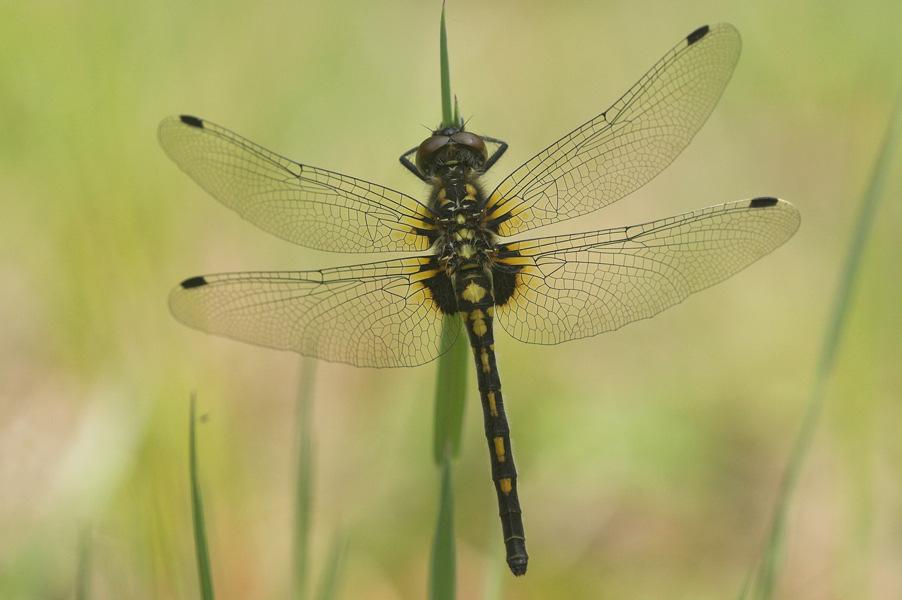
point(502, 148)
point(405, 162)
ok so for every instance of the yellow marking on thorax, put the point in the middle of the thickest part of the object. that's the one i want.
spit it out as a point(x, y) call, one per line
point(421, 275)
point(479, 326)
point(473, 293)
point(484, 358)
point(461, 219)
point(506, 485)
point(443, 197)
point(467, 251)
point(516, 261)
point(412, 224)
point(463, 234)
point(493, 408)
point(471, 191)
point(499, 449)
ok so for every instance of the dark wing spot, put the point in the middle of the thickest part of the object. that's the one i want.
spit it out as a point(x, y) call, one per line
point(763, 202)
point(192, 121)
point(193, 282)
point(698, 34)
point(504, 280)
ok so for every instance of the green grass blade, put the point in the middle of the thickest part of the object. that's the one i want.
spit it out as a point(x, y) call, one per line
point(442, 565)
point(83, 576)
point(447, 116)
point(331, 578)
point(450, 396)
point(304, 484)
point(495, 572)
point(769, 567)
point(202, 552)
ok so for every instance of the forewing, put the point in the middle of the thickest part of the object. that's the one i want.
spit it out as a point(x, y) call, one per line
point(624, 147)
point(302, 204)
point(573, 286)
point(372, 315)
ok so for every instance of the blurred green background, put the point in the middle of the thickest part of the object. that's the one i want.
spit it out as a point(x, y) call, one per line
point(649, 457)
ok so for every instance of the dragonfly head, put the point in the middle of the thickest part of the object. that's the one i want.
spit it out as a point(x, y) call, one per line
point(450, 145)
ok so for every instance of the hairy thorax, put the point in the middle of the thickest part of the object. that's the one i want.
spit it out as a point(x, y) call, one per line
point(464, 242)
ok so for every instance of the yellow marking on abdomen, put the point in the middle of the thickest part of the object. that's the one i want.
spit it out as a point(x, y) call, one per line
point(499, 449)
point(506, 485)
point(471, 191)
point(479, 326)
point(473, 292)
point(493, 408)
point(484, 357)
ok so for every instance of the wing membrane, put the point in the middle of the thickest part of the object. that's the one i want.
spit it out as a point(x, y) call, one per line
point(372, 315)
point(624, 147)
point(574, 286)
point(299, 203)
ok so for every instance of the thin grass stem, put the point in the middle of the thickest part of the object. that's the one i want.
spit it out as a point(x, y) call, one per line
point(447, 115)
point(334, 568)
point(304, 483)
point(83, 574)
point(442, 567)
point(450, 395)
point(768, 569)
point(201, 549)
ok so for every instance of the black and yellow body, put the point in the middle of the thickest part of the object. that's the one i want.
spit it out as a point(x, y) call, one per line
point(541, 290)
point(478, 316)
point(466, 263)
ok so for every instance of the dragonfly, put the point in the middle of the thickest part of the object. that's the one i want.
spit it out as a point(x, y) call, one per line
point(466, 265)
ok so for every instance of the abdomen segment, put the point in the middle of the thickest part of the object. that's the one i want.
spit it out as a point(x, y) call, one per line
point(477, 307)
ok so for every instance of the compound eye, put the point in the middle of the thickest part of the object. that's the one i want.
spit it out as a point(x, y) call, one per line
point(471, 141)
point(427, 150)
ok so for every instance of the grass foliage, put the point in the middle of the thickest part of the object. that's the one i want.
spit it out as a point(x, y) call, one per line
point(330, 579)
point(303, 499)
point(447, 115)
point(762, 583)
point(201, 548)
point(450, 398)
point(442, 562)
point(83, 574)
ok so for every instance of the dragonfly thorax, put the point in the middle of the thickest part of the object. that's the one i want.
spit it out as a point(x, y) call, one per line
point(458, 202)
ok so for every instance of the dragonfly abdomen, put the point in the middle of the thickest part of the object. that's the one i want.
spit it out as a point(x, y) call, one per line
point(477, 308)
